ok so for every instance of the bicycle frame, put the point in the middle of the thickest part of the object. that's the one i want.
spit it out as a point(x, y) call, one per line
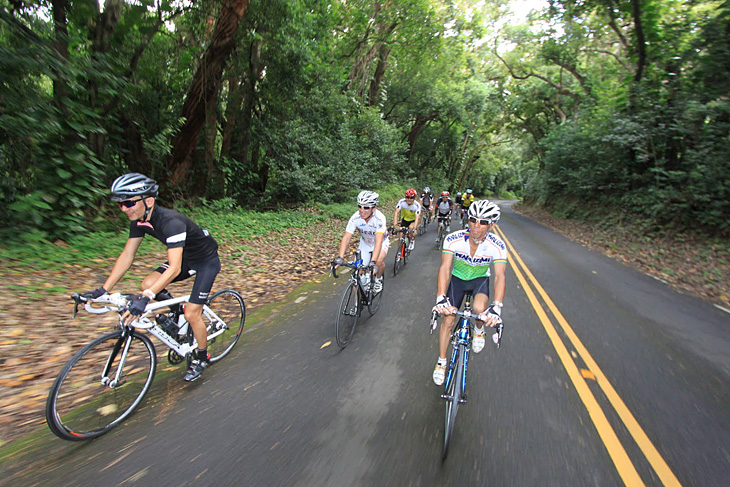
point(117, 302)
point(461, 336)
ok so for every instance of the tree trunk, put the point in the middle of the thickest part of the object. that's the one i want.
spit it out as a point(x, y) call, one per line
point(106, 22)
point(235, 96)
point(640, 41)
point(204, 89)
point(60, 28)
point(375, 84)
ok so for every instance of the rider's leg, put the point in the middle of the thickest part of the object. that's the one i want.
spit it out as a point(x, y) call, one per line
point(445, 334)
point(479, 305)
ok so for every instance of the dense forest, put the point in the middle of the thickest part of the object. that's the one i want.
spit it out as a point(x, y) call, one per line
point(610, 108)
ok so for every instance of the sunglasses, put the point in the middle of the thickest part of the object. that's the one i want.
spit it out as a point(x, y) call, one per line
point(128, 203)
point(410, 197)
point(365, 207)
point(480, 221)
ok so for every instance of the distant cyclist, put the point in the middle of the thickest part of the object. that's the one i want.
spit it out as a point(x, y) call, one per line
point(471, 251)
point(426, 199)
point(409, 211)
point(466, 200)
point(457, 202)
point(190, 251)
point(444, 206)
point(374, 243)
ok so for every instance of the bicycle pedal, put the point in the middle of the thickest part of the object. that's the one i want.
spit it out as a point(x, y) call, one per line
point(447, 397)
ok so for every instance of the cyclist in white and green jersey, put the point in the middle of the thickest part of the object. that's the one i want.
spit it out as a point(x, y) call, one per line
point(471, 251)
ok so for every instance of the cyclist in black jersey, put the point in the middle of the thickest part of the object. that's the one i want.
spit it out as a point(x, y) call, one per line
point(190, 251)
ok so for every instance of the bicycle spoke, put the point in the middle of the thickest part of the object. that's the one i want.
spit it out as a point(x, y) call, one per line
point(81, 405)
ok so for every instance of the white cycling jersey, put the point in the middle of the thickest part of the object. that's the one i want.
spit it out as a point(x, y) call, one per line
point(468, 267)
point(445, 205)
point(368, 229)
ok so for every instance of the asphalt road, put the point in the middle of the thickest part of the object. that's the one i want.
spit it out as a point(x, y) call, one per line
point(606, 378)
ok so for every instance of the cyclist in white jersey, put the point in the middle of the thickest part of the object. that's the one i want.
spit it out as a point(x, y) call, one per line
point(471, 251)
point(374, 243)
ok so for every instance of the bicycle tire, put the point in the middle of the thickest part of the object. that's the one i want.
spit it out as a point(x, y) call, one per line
point(227, 305)
point(80, 407)
point(375, 300)
point(397, 263)
point(453, 390)
point(347, 313)
point(406, 253)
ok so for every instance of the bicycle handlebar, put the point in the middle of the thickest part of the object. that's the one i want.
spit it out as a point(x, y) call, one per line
point(350, 264)
point(499, 325)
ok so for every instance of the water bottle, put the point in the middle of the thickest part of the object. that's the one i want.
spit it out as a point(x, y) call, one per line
point(365, 279)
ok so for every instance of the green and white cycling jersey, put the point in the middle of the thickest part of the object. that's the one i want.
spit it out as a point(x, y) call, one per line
point(468, 267)
point(408, 212)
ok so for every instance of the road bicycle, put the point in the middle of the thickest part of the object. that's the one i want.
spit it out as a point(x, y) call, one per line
point(358, 294)
point(107, 379)
point(403, 250)
point(455, 383)
point(425, 222)
point(443, 230)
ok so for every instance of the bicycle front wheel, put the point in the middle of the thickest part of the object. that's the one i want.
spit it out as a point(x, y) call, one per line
point(347, 315)
point(224, 318)
point(375, 300)
point(398, 258)
point(453, 399)
point(86, 400)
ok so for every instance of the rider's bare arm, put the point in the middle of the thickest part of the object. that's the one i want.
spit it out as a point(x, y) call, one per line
point(123, 263)
point(344, 244)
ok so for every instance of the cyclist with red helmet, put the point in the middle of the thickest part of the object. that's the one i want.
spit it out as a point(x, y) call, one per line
point(409, 211)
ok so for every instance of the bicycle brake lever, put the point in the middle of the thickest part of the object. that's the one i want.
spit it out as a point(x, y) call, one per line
point(500, 327)
point(434, 321)
point(77, 302)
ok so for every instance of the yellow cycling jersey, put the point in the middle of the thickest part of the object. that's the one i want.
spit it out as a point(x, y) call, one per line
point(408, 212)
point(467, 200)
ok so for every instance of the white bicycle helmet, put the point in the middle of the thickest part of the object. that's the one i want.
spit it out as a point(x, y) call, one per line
point(368, 198)
point(133, 184)
point(426, 189)
point(485, 210)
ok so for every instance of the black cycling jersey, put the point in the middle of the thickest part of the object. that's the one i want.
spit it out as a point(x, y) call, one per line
point(176, 230)
point(458, 200)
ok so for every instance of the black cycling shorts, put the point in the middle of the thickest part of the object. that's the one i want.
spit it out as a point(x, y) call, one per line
point(459, 287)
point(406, 223)
point(204, 273)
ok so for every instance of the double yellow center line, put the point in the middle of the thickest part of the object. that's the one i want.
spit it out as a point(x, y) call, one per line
point(616, 451)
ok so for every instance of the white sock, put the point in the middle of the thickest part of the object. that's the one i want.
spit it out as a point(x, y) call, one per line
point(479, 330)
point(442, 361)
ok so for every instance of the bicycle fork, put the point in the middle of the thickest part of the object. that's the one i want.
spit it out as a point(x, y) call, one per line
point(126, 339)
point(461, 339)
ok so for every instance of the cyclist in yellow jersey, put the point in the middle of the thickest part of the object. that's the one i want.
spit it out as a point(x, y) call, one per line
point(409, 211)
point(471, 252)
point(466, 200)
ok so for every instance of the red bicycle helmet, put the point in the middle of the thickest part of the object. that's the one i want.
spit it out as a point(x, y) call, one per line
point(410, 193)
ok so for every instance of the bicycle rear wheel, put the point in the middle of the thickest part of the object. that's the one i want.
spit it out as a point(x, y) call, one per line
point(347, 315)
point(375, 300)
point(453, 393)
point(224, 322)
point(82, 405)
